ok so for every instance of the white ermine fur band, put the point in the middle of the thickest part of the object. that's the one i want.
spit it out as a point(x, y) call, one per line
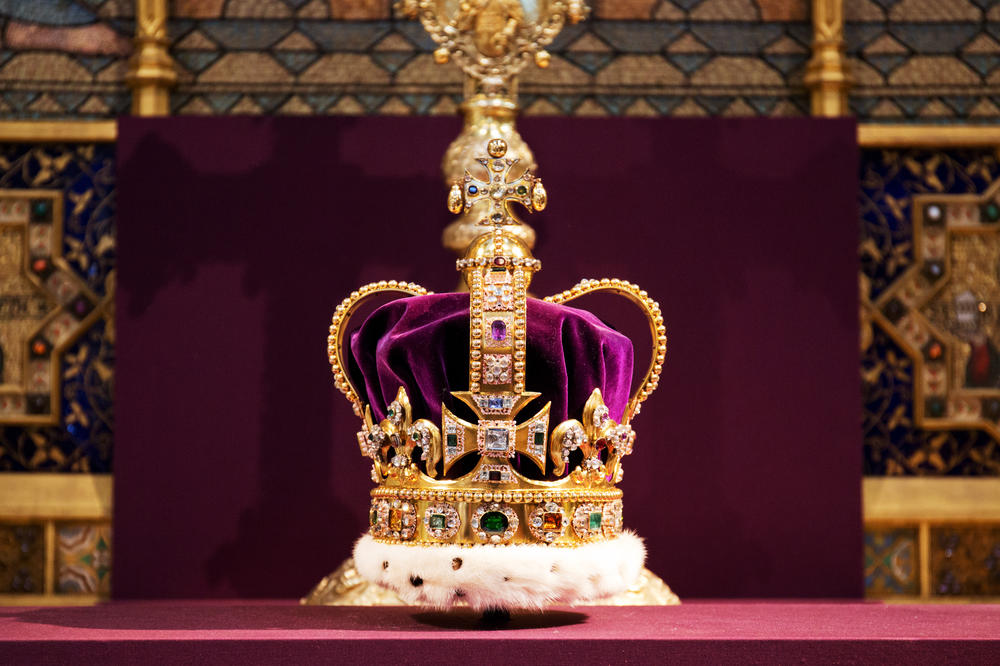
point(528, 576)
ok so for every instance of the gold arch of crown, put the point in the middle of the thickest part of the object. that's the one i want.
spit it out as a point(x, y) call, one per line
point(494, 503)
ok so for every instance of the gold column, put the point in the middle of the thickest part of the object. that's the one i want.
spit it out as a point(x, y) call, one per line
point(492, 41)
point(827, 75)
point(151, 69)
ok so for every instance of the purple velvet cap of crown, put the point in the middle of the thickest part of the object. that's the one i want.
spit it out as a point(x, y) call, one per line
point(422, 344)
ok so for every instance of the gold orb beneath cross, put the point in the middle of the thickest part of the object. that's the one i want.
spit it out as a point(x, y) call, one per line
point(497, 147)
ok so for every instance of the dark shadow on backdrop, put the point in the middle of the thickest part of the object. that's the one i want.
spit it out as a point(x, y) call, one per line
point(298, 226)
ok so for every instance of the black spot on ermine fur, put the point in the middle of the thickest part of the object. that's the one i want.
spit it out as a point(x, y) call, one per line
point(416, 581)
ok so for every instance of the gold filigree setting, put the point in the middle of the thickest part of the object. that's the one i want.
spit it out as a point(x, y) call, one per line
point(942, 311)
point(47, 306)
point(493, 40)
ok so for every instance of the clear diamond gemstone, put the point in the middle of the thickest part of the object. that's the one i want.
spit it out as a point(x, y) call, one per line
point(496, 439)
point(600, 416)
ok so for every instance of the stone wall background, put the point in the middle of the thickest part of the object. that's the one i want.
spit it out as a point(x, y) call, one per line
point(64, 59)
point(914, 60)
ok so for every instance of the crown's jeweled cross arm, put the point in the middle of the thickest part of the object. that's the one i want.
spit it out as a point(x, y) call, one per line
point(496, 436)
point(498, 188)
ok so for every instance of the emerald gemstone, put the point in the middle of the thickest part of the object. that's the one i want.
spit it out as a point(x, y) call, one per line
point(992, 212)
point(493, 522)
point(373, 518)
point(595, 520)
point(522, 190)
point(452, 440)
point(437, 521)
point(40, 210)
point(540, 439)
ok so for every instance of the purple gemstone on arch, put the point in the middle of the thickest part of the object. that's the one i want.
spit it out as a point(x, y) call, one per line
point(499, 330)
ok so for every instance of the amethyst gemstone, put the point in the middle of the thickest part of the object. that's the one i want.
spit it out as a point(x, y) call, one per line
point(499, 330)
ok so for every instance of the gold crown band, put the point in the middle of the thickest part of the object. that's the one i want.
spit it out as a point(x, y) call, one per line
point(558, 522)
point(478, 494)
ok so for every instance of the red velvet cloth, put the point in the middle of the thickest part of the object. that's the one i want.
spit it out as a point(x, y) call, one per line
point(276, 632)
point(422, 344)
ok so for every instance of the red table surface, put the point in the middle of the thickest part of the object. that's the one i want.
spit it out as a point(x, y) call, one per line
point(284, 632)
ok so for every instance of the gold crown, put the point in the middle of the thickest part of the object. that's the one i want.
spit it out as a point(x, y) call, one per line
point(461, 488)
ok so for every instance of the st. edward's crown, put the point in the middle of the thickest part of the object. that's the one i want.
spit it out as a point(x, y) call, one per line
point(492, 418)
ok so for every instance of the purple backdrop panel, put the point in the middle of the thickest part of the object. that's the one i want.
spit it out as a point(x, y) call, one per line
point(236, 470)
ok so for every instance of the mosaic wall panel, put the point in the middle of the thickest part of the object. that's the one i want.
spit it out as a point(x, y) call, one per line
point(83, 559)
point(634, 57)
point(83, 175)
point(924, 60)
point(62, 58)
point(894, 442)
point(965, 560)
point(892, 564)
point(22, 559)
point(914, 60)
